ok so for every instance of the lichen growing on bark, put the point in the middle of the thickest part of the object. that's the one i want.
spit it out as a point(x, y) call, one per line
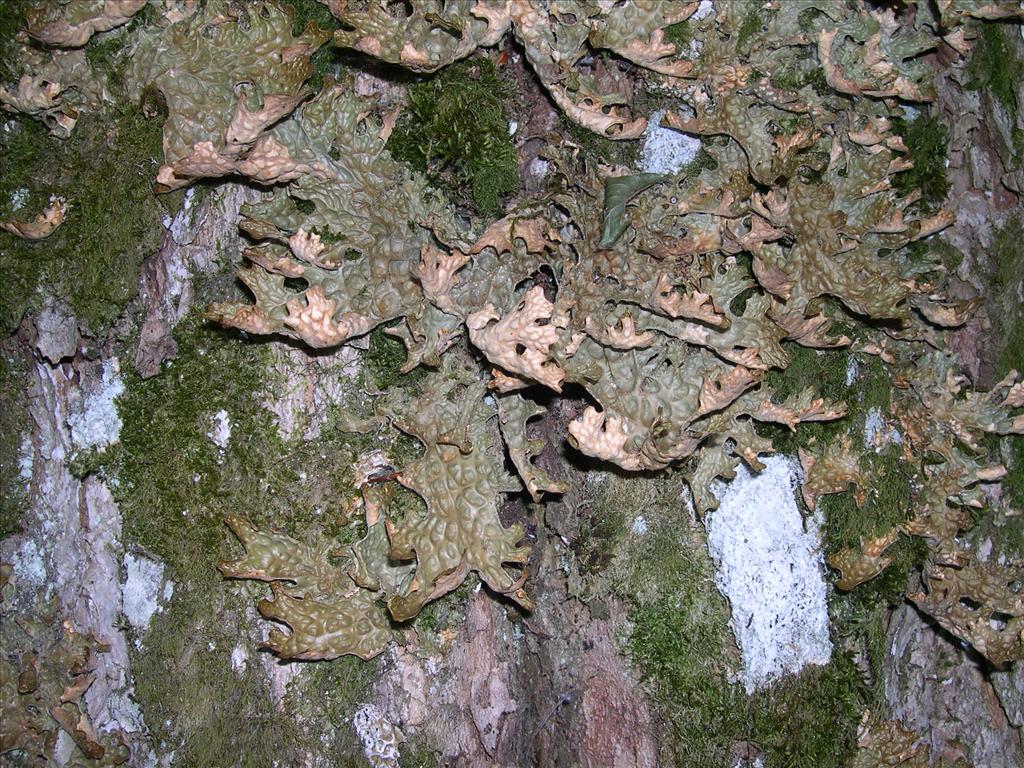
point(778, 294)
point(676, 328)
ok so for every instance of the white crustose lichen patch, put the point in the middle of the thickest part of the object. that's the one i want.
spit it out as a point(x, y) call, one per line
point(877, 431)
point(666, 150)
point(144, 590)
point(769, 565)
point(96, 423)
point(220, 434)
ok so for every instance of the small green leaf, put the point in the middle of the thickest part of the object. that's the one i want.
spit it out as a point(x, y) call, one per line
point(618, 191)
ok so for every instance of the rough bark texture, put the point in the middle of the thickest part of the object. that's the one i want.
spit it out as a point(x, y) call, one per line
point(193, 239)
point(949, 696)
point(70, 549)
point(550, 689)
point(958, 702)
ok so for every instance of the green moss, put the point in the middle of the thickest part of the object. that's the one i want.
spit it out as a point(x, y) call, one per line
point(681, 644)
point(327, 62)
point(455, 130)
point(322, 701)
point(816, 79)
point(795, 78)
point(996, 67)
point(106, 54)
point(207, 712)
point(701, 161)
point(1007, 535)
point(447, 612)
point(14, 423)
point(174, 487)
point(1005, 282)
point(932, 252)
point(306, 12)
point(599, 537)
point(417, 754)
point(680, 35)
point(889, 499)
point(196, 706)
point(105, 172)
point(825, 371)
point(753, 22)
point(888, 502)
point(11, 21)
point(90, 462)
point(786, 79)
point(928, 142)
point(807, 18)
point(860, 628)
point(1014, 483)
point(859, 618)
point(748, 28)
point(594, 147)
point(384, 361)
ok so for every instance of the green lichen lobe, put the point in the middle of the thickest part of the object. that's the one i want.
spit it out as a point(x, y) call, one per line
point(175, 486)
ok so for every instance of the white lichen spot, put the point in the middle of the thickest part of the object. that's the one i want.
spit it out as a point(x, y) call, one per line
point(142, 590)
point(985, 550)
point(18, 198)
point(96, 423)
point(770, 568)
point(686, 497)
point(239, 657)
point(910, 113)
point(666, 150)
point(220, 434)
point(640, 526)
point(380, 738)
point(29, 567)
point(706, 8)
point(873, 425)
point(539, 167)
point(852, 370)
point(63, 749)
point(126, 712)
point(26, 458)
point(877, 432)
point(182, 226)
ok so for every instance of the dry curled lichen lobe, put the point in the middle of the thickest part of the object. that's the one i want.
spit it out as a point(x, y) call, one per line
point(668, 309)
point(671, 347)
